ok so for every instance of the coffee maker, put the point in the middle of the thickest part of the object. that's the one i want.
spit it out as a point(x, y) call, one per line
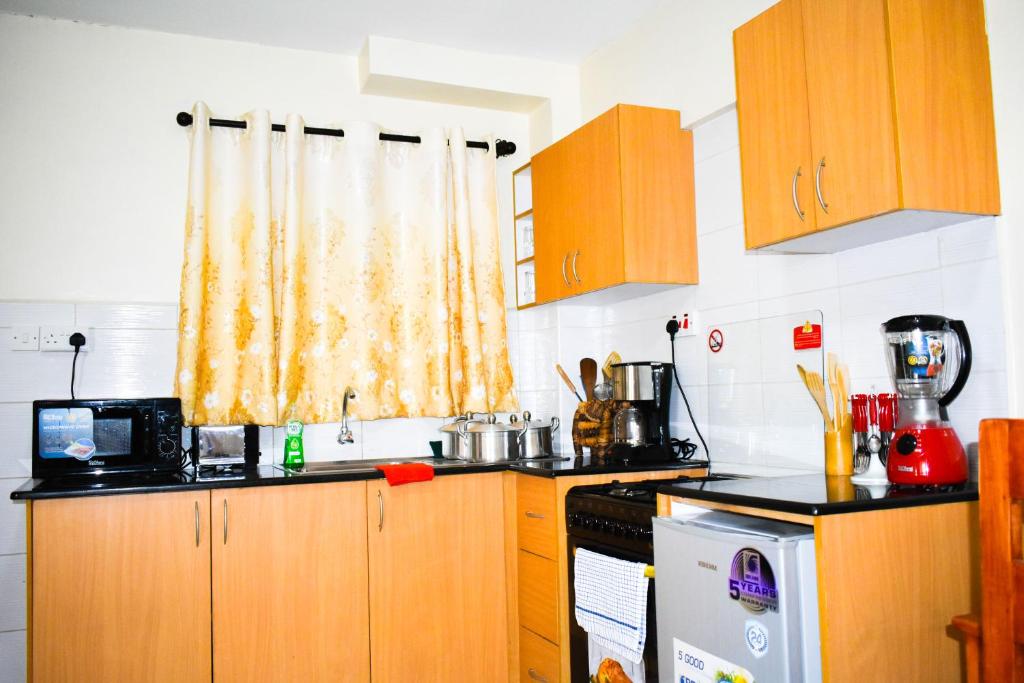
point(642, 393)
point(929, 359)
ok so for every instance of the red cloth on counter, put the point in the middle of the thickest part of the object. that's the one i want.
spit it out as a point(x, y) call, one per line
point(406, 473)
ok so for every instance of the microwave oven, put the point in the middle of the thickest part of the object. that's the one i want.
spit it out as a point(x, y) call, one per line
point(100, 436)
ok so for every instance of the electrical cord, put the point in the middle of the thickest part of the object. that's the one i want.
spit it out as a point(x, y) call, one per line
point(672, 327)
point(78, 341)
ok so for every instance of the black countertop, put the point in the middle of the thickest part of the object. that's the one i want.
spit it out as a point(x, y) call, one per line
point(268, 475)
point(818, 494)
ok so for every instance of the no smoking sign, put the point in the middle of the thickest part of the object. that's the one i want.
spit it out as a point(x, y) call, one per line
point(715, 340)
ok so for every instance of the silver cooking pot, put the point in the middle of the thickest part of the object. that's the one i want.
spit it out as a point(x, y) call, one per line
point(537, 440)
point(453, 447)
point(490, 441)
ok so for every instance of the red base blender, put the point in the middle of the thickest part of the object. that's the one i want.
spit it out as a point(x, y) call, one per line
point(929, 359)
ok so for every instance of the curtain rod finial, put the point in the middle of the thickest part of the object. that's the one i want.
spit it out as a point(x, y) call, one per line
point(184, 119)
point(504, 148)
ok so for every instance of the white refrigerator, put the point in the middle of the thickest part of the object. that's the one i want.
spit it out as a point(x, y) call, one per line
point(737, 600)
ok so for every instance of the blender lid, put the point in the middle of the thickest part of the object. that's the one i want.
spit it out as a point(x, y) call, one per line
point(909, 323)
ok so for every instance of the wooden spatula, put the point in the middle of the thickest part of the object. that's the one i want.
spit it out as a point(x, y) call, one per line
point(613, 359)
point(816, 386)
point(568, 382)
point(588, 373)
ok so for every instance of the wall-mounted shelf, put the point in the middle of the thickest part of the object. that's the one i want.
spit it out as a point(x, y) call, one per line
point(522, 207)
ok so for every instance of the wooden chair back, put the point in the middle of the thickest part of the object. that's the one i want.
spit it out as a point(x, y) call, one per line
point(1001, 481)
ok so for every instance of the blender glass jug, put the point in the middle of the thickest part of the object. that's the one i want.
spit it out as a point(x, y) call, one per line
point(929, 356)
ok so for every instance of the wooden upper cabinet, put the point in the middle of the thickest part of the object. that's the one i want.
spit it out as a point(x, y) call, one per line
point(553, 233)
point(289, 583)
point(438, 604)
point(898, 112)
point(613, 203)
point(946, 137)
point(121, 588)
point(771, 93)
point(848, 85)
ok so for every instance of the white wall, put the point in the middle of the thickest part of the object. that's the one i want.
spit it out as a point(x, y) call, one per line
point(680, 56)
point(94, 197)
point(1005, 20)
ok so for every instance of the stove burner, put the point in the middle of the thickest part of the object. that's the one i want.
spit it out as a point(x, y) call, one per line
point(627, 492)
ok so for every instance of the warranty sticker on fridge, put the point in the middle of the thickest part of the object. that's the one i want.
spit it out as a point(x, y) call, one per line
point(693, 665)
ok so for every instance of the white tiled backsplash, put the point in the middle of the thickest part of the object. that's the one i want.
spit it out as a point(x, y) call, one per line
point(951, 271)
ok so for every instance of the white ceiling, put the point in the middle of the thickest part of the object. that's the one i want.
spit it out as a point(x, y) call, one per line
point(564, 31)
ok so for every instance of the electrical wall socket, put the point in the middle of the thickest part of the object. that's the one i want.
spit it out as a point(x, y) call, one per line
point(55, 338)
point(687, 324)
point(22, 338)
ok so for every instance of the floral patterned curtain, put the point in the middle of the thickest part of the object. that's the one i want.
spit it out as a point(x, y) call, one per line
point(313, 263)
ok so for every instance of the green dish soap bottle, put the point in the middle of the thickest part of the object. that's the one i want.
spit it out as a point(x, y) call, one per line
point(293, 456)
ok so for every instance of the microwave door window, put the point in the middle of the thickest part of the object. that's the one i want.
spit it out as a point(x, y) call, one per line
point(113, 436)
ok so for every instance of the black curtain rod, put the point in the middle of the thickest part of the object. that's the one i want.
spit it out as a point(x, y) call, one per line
point(502, 148)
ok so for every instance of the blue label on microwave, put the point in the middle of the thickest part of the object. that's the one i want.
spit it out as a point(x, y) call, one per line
point(66, 433)
point(924, 354)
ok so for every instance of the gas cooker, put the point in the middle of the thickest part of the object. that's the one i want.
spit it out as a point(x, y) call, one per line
point(618, 514)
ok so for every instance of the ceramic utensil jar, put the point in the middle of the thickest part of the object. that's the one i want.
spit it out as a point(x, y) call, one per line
point(538, 438)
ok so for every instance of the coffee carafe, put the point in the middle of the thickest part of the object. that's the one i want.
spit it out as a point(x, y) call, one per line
point(929, 358)
point(642, 392)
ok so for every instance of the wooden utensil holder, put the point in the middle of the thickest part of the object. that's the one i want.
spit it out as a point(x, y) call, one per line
point(592, 427)
point(839, 450)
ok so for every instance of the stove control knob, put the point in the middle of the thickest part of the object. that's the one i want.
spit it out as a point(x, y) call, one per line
point(572, 519)
point(906, 444)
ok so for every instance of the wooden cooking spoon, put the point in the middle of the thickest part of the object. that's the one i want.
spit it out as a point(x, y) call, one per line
point(588, 373)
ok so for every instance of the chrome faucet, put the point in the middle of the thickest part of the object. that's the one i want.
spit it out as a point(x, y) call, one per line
point(345, 435)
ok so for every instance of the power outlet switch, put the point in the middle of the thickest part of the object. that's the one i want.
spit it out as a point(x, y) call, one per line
point(23, 338)
point(54, 338)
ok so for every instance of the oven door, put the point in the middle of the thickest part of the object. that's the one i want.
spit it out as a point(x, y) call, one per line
point(76, 437)
point(578, 650)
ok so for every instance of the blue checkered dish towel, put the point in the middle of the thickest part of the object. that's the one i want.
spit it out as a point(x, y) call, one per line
point(611, 602)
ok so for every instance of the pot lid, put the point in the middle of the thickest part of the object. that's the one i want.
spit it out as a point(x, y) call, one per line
point(453, 426)
point(531, 423)
point(491, 425)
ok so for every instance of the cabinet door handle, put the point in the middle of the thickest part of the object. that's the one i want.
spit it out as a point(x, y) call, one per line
point(565, 277)
point(197, 523)
point(817, 185)
point(225, 521)
point(574, 273)
point(536, 676)
point(380, 511)
point(796, 200)
point(534, 515)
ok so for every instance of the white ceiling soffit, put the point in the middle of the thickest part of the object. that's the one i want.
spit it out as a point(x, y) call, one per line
point(565, 31)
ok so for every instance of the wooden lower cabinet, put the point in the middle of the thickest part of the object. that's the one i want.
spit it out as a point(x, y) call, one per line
point(538, 595)
point(438, 607)
point(120, 588)
point(538, 659)
point(889, 581)
point(289, 583)
point(541, 639)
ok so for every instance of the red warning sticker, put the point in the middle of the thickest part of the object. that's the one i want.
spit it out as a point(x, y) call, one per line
point(807, 336)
